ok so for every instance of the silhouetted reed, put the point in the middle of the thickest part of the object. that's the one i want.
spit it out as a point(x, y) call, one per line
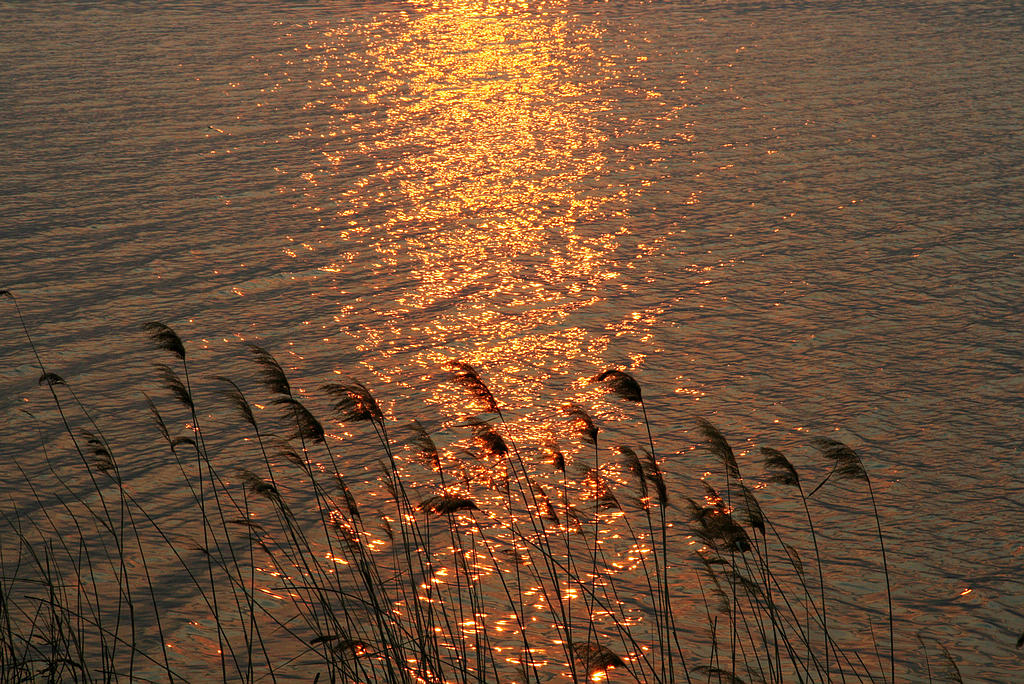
point(518, 563)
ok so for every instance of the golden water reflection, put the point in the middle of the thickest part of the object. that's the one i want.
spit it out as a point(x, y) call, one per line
point(490, 209)
point(476, 187)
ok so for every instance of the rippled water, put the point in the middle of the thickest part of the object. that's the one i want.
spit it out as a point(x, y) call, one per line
point(793, 218)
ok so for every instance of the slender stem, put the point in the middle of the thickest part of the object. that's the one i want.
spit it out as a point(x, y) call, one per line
point(888, 588)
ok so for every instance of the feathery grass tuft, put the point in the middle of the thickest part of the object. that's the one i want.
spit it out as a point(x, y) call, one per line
point(847, 463)
point(621, 384)
point(466, 376)
point(273, 376)
point(780, 470)
point(426, 449)
point(555, 455)
point(490, 443)
point(306, 424)
point(718, 446)
point(582, 423)
point(238, 401)
point(446, 504)
point(51, 379)
point(594, 659)
point(164, 338)
point(174, 383)
point(353, 402)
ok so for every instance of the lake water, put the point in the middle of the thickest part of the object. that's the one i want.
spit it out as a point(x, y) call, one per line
point(795, 219)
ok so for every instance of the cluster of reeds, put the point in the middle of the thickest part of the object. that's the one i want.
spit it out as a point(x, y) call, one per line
point(475, 560)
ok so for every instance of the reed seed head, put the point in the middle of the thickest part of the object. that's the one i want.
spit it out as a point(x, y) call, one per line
point(555, 454)
point(160, 424)
point(633, 466)
point(164, 338)
point(621, 384)
point(466, 376)
point(582, 423)
point(51, 379)
point(794, 559)
point(447, 504)
point(426, 449)
point(652, 472)
point(718, 529)
point(780, 470)
point(490, 442)
point(271, 373)
point(353, 402)
point(238, 401)
point(598, 489)
point(544, 508)
point(718, 674)
point(101, 458)
point(847, 463)
point(257, 485)
point(350, 501)
point(718, 446)
point(341, 645)
point(173, 383)
point(751, 509)
point(595, 659)
point(306, 425)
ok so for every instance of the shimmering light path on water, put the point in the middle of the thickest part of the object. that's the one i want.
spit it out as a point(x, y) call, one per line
point(796, 219)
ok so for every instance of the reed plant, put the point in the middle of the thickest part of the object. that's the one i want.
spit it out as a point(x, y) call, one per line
point(462, 556)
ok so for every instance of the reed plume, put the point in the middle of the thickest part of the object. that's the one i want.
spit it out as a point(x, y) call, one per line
point(350, 500)
point(543, 504)
point(238, 401)
point(751, 509)
point(172, 381)
point(718, 446)
point(556, 456)
point(719, 675)
point(307, 427)
point(158, 419)
point(633, 466)
point(652, 472)
point(353, 402)
point(164, 338)
point(466, 376)
point(847, 464)
point(489, 441)
point(593, 659)
point(271, 373)
point(717, 528)
point(780, 470)
point(426, 449)
point(257, 485)
point(582, 423)
point(621, 384)
point(51, 379)
point(101, 457)
point(447, 504)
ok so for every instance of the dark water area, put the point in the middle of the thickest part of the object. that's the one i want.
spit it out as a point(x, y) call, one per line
point(795, 219)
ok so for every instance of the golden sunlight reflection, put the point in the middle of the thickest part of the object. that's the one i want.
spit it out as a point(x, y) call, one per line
point(491, 207)
point(472, 175)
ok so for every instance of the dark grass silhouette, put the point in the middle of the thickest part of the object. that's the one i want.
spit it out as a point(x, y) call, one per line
point(476, 560)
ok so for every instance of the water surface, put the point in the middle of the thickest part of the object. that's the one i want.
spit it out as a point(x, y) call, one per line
point(793, 218)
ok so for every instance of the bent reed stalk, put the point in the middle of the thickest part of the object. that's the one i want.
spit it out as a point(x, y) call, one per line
point(460, 558)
